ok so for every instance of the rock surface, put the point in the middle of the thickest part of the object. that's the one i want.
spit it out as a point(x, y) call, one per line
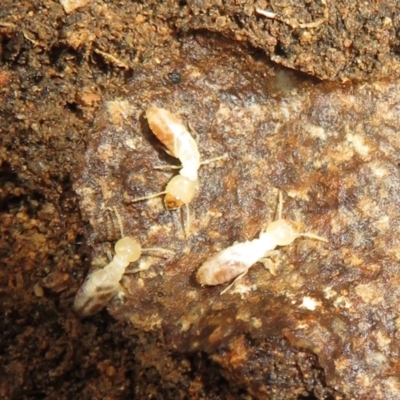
point(325, 307)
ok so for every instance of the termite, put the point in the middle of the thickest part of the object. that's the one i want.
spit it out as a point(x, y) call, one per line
point(179, 143)
point(171, 132)
point(103, 284)
point(235, 261)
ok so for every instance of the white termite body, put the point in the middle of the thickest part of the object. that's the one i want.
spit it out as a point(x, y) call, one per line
point(103, 284)
point(172, 133)
point(235, 261)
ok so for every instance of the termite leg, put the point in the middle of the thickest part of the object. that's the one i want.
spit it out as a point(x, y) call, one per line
point(165, 253)
point(269, 263)
point(234, 281)
point(136, 270)
point(109, 255)
point(167, 167)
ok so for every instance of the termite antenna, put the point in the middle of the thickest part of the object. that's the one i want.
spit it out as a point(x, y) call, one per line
point(211, 160)
point(313, 236)
point(148, 197)
point(280, 204)
point(119, 220)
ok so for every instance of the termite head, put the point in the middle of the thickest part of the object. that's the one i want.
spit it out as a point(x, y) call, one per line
point(128, 248)
point(179, 191)
point(283, 231)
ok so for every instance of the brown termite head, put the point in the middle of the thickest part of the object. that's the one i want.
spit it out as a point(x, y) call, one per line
point(179, 191)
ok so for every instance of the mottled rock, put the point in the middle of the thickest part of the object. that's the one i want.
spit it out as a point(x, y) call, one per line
point(328, 307)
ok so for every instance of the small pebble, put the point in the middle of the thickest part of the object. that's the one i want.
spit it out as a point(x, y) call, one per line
point(38, 290)
point(72, 5)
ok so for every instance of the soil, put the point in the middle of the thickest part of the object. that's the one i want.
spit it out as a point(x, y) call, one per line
point(75, 144)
